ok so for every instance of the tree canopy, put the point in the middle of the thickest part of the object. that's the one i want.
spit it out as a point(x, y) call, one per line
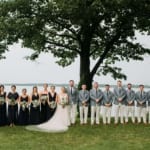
point(101, 30)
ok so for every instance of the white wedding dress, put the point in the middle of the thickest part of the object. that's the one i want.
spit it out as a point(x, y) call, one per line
point(58, 123)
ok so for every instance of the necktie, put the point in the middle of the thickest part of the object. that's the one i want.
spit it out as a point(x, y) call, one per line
point(96, 92)
point(141, 94)
point(107, 93)
point(71, 90)
point(84, 93)
point(119, 90)
point(129, 93)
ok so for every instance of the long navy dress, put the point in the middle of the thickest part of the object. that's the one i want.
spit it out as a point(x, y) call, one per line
point(51, 111)
point(3, 118)
point(23, 113)
point(34, 111)
point(43, 116)
point(13, 110)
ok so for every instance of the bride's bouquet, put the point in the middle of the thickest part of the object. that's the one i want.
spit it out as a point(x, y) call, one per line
point(44, 99)
point(2, 100)
point(63, 102)
point(24, 105)
point(35, 103)
point(12, 102)
point(52, 104)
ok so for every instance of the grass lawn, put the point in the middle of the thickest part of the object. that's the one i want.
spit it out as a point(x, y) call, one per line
point(121, 137)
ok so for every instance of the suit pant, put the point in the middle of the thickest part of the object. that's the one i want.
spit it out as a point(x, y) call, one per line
point(72, 113)
point(141, 112)
point(106, 114)
point(131, 110)
point(149, 114)
point(95, 112)
point(83, 114)
point(119, 109)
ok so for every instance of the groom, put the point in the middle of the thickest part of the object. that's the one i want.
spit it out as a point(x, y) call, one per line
point(73, 99)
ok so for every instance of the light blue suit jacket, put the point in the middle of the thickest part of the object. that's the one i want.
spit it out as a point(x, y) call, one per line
point(148, 98)
point(119, 93)
point(108, 97)
point(84, 95)
point(96, 95)
point(141, 98)
point(130, 98)
point(73, 97)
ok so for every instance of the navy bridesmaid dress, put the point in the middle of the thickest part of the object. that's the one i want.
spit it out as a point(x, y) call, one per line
point(50, 111)
point(13, 110)
point(34, 111)
point(24, 112)
point(43, 114)
point(3, 118)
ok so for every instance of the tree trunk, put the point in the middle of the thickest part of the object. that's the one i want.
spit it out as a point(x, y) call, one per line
point(85, 76)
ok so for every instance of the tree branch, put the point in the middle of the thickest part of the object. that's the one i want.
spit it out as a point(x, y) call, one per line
point(107, 49)
point(64, 46)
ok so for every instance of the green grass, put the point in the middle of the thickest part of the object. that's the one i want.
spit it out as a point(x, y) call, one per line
point(121, 137)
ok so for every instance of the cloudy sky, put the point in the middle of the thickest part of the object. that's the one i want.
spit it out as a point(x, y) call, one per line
point(16, 69)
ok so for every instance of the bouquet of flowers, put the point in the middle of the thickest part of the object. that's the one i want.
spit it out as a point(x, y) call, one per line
point(2, 100)
point(44, 99)
point(36, 103)
point(63, 102)
point(24, 105)
point(52, 104)
point(12, 102)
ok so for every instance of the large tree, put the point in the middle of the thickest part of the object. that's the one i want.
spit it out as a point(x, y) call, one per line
point(99, 30)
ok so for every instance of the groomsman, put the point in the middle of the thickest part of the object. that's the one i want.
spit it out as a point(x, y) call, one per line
point(108, 97)
point(84, 96)
point(119, 102)
point(130, 103)
point(73, 99)
point(96, 97)
point(148, 99)
point(141, 98)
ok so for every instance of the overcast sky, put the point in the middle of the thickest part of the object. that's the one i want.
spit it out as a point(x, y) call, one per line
point(16, 69)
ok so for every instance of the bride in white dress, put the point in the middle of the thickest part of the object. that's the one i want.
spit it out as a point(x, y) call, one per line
point(60, 120)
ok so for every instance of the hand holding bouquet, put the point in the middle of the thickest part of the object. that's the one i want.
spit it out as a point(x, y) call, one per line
point(52, 104)
point(12, 102)
point(2, 100)
point(35, 103)
point(63, 102)
point(24, 105)
point(44, 99)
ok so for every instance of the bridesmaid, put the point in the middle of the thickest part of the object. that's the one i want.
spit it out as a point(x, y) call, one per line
point(3, 118)
point(12, 109)
point(44, 96)
point(35, 110)
point(52, 98)
point(24, 111)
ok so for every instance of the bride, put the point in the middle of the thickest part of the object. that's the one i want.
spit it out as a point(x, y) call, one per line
point(60, 120)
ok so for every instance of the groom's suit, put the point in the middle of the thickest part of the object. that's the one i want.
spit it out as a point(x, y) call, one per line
point(73, 99)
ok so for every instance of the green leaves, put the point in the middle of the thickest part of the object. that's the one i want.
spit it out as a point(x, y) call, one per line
point(101, 30)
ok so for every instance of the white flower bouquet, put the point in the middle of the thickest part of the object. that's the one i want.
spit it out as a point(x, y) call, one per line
point(44, 99)
point(12, 102)
point(2, 100)
point(52, 104)
point(63, 102)
point(35, 103)
point(24, 105)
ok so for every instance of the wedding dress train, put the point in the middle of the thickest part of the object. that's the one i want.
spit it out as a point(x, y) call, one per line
point(58, 123)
